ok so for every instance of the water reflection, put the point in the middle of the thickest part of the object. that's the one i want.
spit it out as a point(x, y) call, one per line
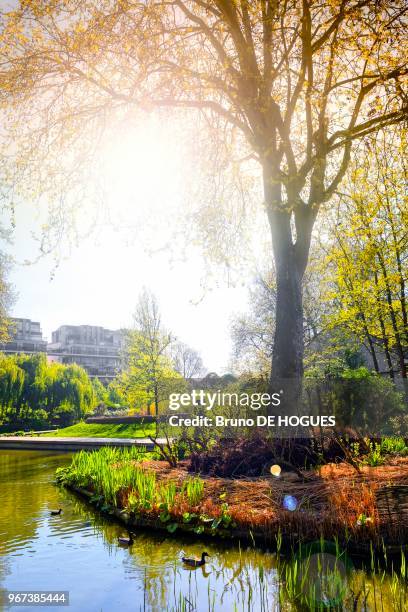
point(78, 552)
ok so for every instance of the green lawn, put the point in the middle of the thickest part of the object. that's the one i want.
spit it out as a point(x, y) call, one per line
point(85, 430)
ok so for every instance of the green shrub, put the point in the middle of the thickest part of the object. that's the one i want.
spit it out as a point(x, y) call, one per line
point(394, 446)
point(359, 398)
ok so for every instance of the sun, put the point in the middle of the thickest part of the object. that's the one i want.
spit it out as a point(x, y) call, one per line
point(142, 171)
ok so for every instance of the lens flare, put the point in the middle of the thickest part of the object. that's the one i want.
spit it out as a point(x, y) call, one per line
point(276, 470)
point(290, 503)
point(323, 571)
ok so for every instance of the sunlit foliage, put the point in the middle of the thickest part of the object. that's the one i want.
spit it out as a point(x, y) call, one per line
point(368, 264)
point(36, 393)
point(291, 85)
point(148, 375)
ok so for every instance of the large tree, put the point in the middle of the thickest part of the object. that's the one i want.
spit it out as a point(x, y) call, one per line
point(252, 332)
point(296, 82)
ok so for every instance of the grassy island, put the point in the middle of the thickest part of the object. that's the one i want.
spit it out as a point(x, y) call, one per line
point(332, 501)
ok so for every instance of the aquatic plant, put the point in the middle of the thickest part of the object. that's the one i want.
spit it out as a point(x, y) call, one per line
point(119, 477)
point(394, 446)
point(104, 472)
point(310, 580)
point(194, 489)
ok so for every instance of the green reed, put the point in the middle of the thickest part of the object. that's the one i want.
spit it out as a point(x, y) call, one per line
point(194, 490)
point(108, 471)
point(310, 583)
point(111, 471)
point(300, 586)
point(167, 494)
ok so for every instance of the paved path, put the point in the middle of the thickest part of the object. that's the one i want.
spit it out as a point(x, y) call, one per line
point(70, 444)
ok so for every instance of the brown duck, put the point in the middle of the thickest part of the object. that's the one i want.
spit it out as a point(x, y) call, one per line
point(126, 541)
point(195, 562)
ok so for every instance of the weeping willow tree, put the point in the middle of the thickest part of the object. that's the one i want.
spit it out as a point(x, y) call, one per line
point(33, 392)
point(290, 83)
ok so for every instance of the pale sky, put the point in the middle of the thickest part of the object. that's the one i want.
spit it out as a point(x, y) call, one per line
point(99, 280)
point(99, 285)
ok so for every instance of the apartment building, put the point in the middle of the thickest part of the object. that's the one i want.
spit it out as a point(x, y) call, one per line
point(94, 348)
point(25, 337)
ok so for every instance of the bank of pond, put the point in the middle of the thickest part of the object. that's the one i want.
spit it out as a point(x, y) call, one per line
point(256, 562)
point(320, 522)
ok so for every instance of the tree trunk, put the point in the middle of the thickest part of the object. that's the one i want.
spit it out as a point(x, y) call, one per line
point(291, 244)
point(288, 347)
point(156, 400)
point(372, 351)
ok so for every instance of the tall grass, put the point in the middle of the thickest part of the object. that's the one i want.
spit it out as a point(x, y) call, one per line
point(194, 489)
point(106, 471)
point(301, 585)
point(167, 494)
point(119, 476)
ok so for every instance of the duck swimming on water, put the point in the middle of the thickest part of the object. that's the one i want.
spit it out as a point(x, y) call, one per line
point(56, 512)
point(195, 562)
point(126, 541)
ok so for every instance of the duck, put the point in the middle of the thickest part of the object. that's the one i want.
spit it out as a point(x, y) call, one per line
point(195, 562)
point(56, 512)
point(126, 541)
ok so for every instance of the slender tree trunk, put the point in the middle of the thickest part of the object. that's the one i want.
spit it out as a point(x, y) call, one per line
point(397, 335)
point(156, 400)
point(372, 351)
point(398, 256)
point(383, 329)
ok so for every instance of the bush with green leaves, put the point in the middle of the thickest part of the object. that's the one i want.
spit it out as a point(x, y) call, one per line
point(394, 446)
point(359, 398)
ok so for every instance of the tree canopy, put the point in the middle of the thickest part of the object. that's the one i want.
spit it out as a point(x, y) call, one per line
point(291, 83)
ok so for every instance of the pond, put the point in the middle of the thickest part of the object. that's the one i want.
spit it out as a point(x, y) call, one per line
point(78, 552)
